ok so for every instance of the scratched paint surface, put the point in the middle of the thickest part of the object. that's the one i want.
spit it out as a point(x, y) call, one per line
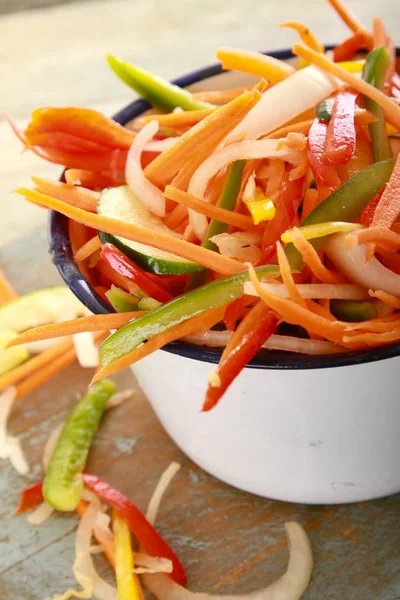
point(229, 541)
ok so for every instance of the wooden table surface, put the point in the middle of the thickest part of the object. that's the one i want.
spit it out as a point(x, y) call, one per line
point(229, 541)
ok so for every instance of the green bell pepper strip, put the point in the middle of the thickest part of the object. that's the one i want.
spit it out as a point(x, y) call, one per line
point(63, 483)
point(158, 92)
point(121, 300)
point(227, 200)
point(323, 110)
point(374, 73)
point(346, 204)
point(215, 294)
point(353, 312)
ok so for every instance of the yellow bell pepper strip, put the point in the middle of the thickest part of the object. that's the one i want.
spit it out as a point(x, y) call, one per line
point(351, 311)
point(374, 73)
point(63, 483)
point(158, 92)
point(353, 66)
point(340, 142)
point(128, 585)
point(218, 293)
point(346, 204)
point(260, 208)
point(255, 63)
point(311, 232)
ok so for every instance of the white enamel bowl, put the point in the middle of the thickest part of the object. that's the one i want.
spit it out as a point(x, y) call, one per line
point(301, 429)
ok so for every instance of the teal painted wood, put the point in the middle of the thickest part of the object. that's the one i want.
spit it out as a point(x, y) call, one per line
point(228, 540)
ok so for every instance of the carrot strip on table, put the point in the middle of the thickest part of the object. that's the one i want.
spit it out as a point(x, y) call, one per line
point(88, 249)
point(197, 254)
point(204, 321)
point(388, 207)
point(201, 139)
point(311, 258)
point(306, 35)
point(220, 96)
point(34, 381)
point(210, 210)
point(392, 111)
point(34, 364)
point(75, 195)
point(7, 292)
point(64, 328)
point(386, 298)
point(270, 68)
point(186, 118)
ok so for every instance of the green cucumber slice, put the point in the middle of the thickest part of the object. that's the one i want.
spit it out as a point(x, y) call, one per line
point(12, 357)
point(46, 305)
point(121, 300)
point(120, 203)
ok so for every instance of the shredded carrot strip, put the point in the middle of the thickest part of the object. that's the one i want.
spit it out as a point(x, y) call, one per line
point(201, 139)
point(209, 210)
point(34, 364)
point(108, 549)
point(268, 67)
point(378, 32)
point(77, 196)
point(219, 96)
point(91, 180)
point(204, 321)
point(79, 235)
point(91, 323)
point(30, 384)
point(364, 117)
point(287, 277)
point(392, 111)
point(7, 292)
point(88, 249)
point(197, 254)
point(388, 207)
point(385, 297)
point(381, 236)
point(302, 127)
point(371, 340)
point(383, 325)
point(179, 119)
point(310, 201)
point(293, 313)
point(176, 216)
point(306, 35)
point(311, 258)
point(348, 17)
point(347, 49)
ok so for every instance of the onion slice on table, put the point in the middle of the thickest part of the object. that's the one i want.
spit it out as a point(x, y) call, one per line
point(221, 158)
point(313, 291)
point(40, 514)
point(148, 194)
point(353, 263)
point(10, 446)
point(290, 586)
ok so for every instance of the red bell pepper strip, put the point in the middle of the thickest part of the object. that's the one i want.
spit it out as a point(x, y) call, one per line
point(367, 214)
point(137, 523)
point(145, 533)
point(341, 134)
point(325, 175)
point(351, 46)
point(122, 265)
point(250, 335)
point(388, 208)
point(285, 214)
point(234, 311)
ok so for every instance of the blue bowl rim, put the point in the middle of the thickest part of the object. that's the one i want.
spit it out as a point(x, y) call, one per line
point(61, 254)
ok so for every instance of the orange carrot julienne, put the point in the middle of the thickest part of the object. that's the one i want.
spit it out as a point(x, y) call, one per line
point(383, 325)
point(310, 201)
point(311, 258)
point(201, 139)
point(378, 32)
point(392, 111)
point(219, 96)
point(306, 35)
point(371, 340)
point(204, 321)
point(91, 180)
point(379, 235)
point(7, 292)
point(295, 314)
point(386, 298)
point(302, 127)
point(287, 277)
point(88, 249)
point(270, 68)
point(34, 364)
point(77, 196)
point(198, 254)
point(64, 328)
point(210, 210)
point(348, 17)
point(178, 119)
point(388, 207)
point(347, 49)
point(176, 216)
point(116, 278)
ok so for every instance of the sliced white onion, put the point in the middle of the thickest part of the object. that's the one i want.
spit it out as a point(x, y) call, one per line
point(118, 398)
point(148, 194)
point(50, 445)
point(102, 530)
point(285, 343)
point(352, 262)
point(158, 493)
point(221, 158)
point(151, 564)
point(313, 291)
point(40, 514)
point(249, 191)
point(238, 246)
point(87, 351)
point(285, 101)
point(10, 447)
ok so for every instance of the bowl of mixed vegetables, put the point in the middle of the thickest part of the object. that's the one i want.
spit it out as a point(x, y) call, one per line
point(238, 233)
